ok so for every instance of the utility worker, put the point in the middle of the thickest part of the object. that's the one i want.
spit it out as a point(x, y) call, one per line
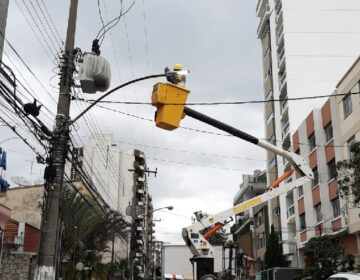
point(177, 76)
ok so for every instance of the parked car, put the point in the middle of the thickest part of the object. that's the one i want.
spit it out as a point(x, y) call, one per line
point(345, 276)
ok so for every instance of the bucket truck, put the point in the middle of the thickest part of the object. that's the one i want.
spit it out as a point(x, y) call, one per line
point(170, 100)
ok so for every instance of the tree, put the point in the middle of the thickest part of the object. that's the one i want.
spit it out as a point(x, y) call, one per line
point(87, 231)
point(273, 254)
point(349, 176)
point(325, 256)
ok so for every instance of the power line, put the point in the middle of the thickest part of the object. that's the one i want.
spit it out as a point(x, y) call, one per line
point(210, 132)
point(114, 22)
point(226, 102)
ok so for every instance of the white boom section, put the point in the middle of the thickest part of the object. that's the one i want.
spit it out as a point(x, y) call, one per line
point(200, 247)
point(297, 161)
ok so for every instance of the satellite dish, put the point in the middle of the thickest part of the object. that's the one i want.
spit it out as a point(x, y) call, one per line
point(20, 181)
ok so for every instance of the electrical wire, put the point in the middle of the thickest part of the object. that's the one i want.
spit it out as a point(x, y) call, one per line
point(101, 34)
point(211, 132)
point(227, 102)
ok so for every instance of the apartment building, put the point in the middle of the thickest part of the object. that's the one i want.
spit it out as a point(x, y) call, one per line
point(251, 226)
point(119, 177)
point(141, 230)
point(346, 131)
point(306, 47)
point(317, 204)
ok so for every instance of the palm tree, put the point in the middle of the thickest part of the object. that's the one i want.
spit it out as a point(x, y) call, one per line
point(87, 229)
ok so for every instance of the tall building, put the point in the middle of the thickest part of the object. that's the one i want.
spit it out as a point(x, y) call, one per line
point(306, 47)
point(119, 177)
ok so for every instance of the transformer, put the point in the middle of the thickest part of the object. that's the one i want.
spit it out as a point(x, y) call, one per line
point(94, 73)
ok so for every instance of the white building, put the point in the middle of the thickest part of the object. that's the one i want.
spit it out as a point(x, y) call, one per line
point(307, 46)
point(111, 171)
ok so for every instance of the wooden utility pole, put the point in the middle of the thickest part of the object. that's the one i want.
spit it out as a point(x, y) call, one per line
point(4, 5)
point(49, 248)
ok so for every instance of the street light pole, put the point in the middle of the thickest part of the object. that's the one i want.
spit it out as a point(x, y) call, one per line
point(148, 249)
point(49, 248)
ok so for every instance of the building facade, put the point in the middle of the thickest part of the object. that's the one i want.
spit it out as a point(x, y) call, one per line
point(324, 139)
point(347, 131)
point(318, 207)
point(306, 47)
point(119, 176)
point(251, 226)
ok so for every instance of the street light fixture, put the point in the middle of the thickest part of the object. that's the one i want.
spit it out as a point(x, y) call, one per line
point(167, 207)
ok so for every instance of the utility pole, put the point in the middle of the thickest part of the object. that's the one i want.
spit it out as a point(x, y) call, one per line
point(49, 248)
point(4, 5)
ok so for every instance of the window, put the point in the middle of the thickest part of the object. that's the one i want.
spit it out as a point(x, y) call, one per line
point(302, 221)
point(261, 241)
point(328, 132)
point(268, 74)
point(336, 207)
point(349, 143)
point(331, 166)
point(312, 142)
point(272, 139)
point(267, 52)
point(269, 95)
point(315, 182)
point(269, 117)
point(272, 163)
point(301, 191)
point(318, 212)
point(276, 212)
point(347, 106)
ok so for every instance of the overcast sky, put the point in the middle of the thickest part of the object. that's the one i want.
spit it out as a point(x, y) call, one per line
point(216, 40)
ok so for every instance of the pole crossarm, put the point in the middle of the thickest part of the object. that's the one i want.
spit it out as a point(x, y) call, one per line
point(113, 90)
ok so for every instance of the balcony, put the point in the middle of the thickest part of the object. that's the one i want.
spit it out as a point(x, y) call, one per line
point(260, 7)
point(281, 55)
point(278, 6)
point(282, 80)
point(285, 130)
point(280, 37)
point(264, 15)
point(279, 17)
point(286, 142)
point(281, 61)
point(283, 105)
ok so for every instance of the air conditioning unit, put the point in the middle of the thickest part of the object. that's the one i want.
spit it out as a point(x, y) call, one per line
point(94, 73)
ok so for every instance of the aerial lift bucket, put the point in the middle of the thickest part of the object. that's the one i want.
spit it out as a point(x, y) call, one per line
point(168, 116)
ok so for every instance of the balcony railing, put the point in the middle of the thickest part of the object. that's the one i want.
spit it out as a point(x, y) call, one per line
point(291, 211)
point(282, 80)
point(285, 130)
point(281, 54)
point(284, 105)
